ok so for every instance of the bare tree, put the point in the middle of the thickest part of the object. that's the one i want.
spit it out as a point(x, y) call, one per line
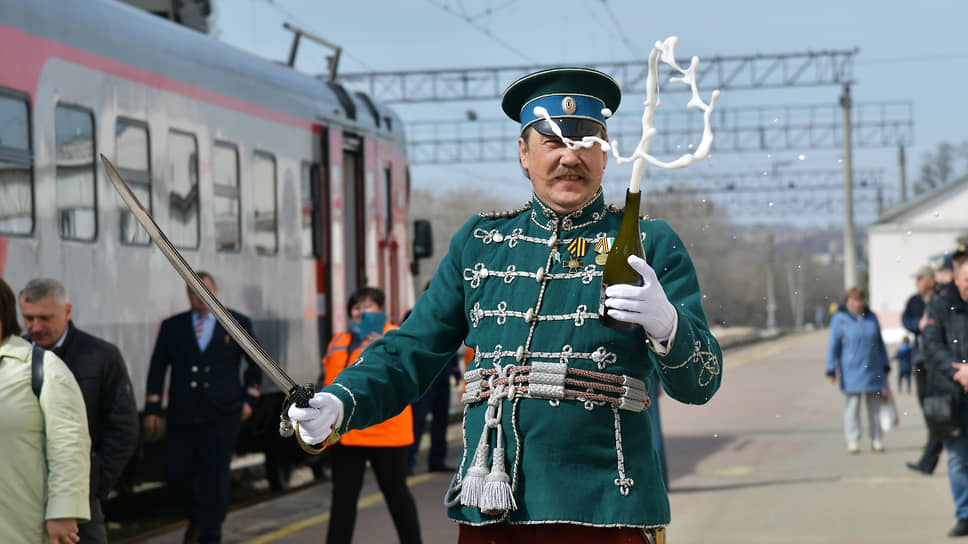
point(940, 166)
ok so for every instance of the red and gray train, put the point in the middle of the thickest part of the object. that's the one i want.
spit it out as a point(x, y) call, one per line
point(289, 189)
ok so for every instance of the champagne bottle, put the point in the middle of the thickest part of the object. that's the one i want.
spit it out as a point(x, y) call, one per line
point(617, 269)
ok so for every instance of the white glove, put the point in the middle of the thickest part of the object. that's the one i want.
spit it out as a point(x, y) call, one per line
point(644, 304)
point(317, 422)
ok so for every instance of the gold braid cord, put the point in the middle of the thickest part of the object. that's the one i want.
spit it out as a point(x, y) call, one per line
point(316, 450)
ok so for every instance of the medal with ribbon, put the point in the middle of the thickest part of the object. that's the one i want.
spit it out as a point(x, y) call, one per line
point(602, 247)
point(577, 248)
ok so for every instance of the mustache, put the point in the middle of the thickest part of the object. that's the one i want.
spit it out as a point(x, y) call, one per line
point(562, 171)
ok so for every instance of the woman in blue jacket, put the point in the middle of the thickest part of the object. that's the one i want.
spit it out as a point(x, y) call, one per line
point(858, 355)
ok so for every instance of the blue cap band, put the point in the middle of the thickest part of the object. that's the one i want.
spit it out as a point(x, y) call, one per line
point(585, 107)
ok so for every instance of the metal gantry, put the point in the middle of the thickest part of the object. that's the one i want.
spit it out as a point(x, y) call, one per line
point(758, 71)
point(805, 195)
point(759, 128)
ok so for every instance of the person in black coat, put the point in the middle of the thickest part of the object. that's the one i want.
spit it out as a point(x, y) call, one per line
point(947, 351)
point(97, 365)
point(915, 319)
point(206, 403)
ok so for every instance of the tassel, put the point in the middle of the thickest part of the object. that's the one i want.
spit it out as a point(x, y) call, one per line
point(497, 496)
point(472, 486)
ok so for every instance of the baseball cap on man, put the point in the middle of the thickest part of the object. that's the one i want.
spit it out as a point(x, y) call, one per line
point(924, 272)
point(946, 262)
point(577, 99)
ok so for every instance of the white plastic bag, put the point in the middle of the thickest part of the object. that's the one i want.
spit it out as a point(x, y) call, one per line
point(887, 414)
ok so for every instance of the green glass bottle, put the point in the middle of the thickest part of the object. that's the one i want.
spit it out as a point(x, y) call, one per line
point(617, 269)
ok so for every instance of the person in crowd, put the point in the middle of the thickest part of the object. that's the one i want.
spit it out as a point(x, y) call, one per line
point(384, 445)
point(45, 459)
point(112, 415)
point(207, 401)
point(945, 273)
point(915, 319)
point(857, 360)
point(904, 365)
point(947, 353)
point(558, 443)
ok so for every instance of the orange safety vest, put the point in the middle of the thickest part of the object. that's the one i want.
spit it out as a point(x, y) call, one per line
point(396, 431)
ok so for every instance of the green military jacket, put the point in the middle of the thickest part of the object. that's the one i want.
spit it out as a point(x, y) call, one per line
point(572, 442)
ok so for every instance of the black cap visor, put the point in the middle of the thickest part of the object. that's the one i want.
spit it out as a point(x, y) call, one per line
point(571, 127)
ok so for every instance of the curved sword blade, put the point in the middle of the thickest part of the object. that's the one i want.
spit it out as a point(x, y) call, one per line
point(253, 349)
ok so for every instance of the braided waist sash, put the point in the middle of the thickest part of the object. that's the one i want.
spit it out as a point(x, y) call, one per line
point(555, 381)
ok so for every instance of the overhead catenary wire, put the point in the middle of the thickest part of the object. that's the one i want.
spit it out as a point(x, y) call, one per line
point(471, 21)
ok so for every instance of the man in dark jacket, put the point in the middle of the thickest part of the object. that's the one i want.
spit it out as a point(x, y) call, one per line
point(206, 403)
point(946, 344)
point(915, 319)
point(97, 365)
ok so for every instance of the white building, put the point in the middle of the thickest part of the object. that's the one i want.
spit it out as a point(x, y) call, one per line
point(907, 237)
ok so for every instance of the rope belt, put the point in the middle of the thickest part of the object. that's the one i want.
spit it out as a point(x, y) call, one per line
point(551, 381)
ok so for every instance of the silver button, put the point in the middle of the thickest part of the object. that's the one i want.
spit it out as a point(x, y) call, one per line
point(499, 237)
point(205, 385)
point(194, 368)
point(519, 354)
point(193, 385)
point(539, 277)
point(529, 315)
point(208, 369)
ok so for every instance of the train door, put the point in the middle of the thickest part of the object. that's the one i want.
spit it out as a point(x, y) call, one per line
point(387, 246)
point(354, 199)
point(316, 237)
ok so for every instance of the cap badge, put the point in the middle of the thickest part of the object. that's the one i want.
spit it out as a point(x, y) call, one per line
point(568, 105)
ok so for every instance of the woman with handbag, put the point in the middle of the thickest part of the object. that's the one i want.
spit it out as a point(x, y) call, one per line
point(857, 355)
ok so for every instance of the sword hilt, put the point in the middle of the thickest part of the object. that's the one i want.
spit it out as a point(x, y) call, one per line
point(300, 395)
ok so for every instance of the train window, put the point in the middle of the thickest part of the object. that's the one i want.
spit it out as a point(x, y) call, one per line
point(134, 163)
point(228, 214)
point(265, 237)
point(308, 215)
point(183, 191)
point(16, 165)
point(76, 191)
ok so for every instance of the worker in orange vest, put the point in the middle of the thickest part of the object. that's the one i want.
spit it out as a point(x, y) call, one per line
point(384, 445)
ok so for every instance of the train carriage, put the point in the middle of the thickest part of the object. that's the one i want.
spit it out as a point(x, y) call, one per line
point(290, 190)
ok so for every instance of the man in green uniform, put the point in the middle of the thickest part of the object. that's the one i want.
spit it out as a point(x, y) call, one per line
point(557, 440)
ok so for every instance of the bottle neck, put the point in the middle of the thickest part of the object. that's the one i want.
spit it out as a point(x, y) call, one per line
point(630, 217)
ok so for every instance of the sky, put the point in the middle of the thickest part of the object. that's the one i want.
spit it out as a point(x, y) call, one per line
point(917, 55)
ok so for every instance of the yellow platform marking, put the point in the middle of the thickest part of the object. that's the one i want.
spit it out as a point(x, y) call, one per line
point(364, 502)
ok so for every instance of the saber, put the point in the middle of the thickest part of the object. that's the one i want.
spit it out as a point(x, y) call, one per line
point(295, 393)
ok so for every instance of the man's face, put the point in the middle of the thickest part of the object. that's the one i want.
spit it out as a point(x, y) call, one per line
point(961, 280)
point(45, 320)
point(195, 301)
point(564, 179)
point(925, 284)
